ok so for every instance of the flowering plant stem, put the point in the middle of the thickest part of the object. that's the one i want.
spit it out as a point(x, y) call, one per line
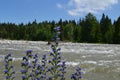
point(9, 68)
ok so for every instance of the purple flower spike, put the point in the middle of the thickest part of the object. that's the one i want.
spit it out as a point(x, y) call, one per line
point(36, 60)
point(39, 65)
point(44, 57)
point(57, 28)
point(7, 77)
point(36, 55)
point(52, 67)
point(77, 75)
point(58, 32)
point(53, 59)
point(25, 58)
point(29, 51)
point(31, 75)
point(30, 65)
point(37, 72)
point(24, 77)
point(59, 49)
point(6, 71)
point(10, 59)
point(59, 53)
point(11, 66)
point(7, 56)
point(9, 71)
point(23, 71)
point(58, 39)
point(26, 63)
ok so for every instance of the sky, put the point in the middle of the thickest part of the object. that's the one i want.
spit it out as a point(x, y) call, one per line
point(24, 11)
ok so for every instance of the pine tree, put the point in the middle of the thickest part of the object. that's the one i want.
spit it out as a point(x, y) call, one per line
point(116, 39)
point(106, 29)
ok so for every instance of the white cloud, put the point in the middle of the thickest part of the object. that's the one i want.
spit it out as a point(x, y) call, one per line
point(78, 7)
point(59, 6)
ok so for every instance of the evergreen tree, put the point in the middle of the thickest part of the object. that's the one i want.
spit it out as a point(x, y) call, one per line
point(77, 34)
point(106, 29)
point(90, 29)
point(68, 32)
point(116, 39)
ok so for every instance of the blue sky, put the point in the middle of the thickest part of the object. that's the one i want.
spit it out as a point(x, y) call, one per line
point(17, 11)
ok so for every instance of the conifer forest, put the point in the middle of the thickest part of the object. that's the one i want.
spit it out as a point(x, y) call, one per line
point(85, 30)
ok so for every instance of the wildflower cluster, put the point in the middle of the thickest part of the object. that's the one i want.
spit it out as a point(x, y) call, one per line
point(34, 68)
point(9, 68)
point(26, 65)
point(39, 70)
point(57, 68)
point(77, 75)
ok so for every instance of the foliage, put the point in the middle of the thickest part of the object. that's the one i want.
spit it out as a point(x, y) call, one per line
point(88, 30)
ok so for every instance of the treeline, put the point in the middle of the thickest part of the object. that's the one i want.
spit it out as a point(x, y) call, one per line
point(88, 30)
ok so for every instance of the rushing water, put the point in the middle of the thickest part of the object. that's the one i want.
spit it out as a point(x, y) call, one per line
point(98, 61)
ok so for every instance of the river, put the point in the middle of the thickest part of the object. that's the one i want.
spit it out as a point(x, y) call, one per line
point(98, 61)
